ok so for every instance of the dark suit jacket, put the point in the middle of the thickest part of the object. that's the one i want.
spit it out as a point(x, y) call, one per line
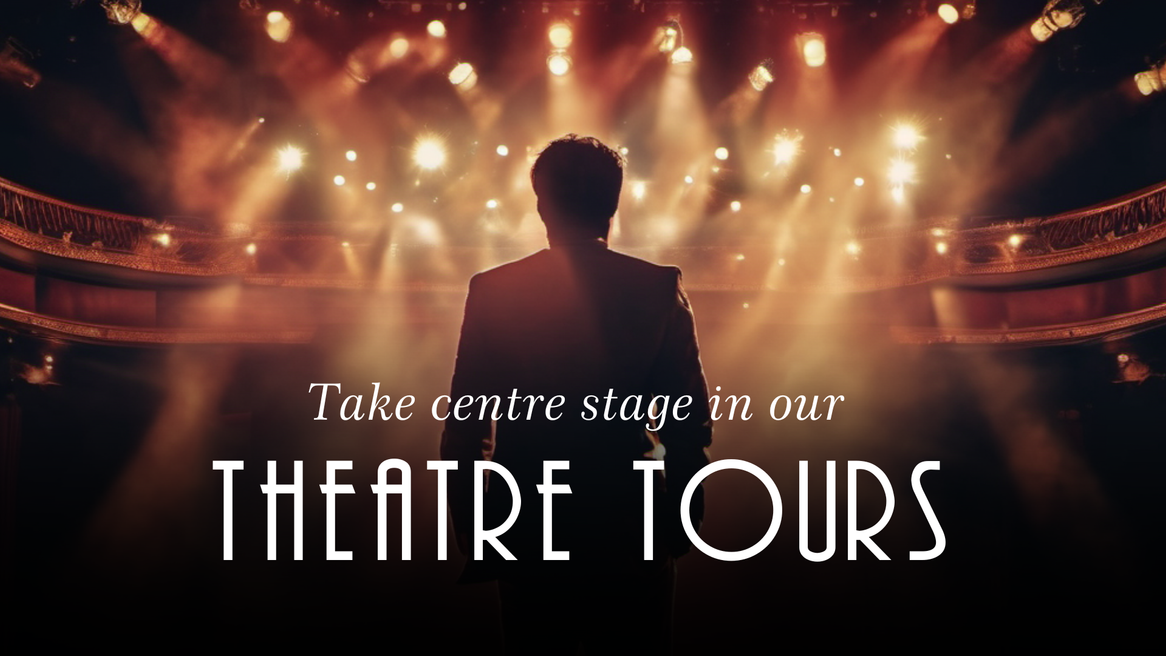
point(578, 321)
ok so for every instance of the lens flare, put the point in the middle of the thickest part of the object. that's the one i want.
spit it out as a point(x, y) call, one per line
point(436, 29)
point(948, 13)
point(429, 153)
point(289, 159)
point(278, 26)
point(906, 136)
point(786, 149)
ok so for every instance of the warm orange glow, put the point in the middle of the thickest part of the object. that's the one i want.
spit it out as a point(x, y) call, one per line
point(813, 49)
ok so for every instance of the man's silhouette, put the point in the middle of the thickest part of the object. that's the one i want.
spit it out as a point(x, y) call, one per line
point(579, 320)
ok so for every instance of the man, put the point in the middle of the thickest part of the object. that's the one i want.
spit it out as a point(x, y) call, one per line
point(587, 323)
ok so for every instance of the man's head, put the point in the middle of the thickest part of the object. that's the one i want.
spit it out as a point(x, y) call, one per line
point(577, 181)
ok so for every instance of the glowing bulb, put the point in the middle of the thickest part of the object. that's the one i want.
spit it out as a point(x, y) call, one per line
point(350, 155)
point(251, 248)
point(558, 63)
point(560, 35)
point(813, 49)
point(761, 77)
point(289, 158)
point(838, 152)
point(786, 149)
point(502, 150)
point(853, 248)
point(1122, 358)
point(858, 182)
point(901, 172)
point(163, 239)
point(688, 179)
point(141, 23)
point(436, 29)
point(1150, 81)
point(941, 247)
point(371, 186)
point(906, 136)
point(721, 153)
point(397, 208)
point(491, 204)
point(399, 47)
point(338, 181)
point(735, 206)
point(463, 75)
point(948, 13)
point(805, 189)
point(1015, 240)
point(278, 26)
point(639, 188)
point(681, 55)
point(429, 153)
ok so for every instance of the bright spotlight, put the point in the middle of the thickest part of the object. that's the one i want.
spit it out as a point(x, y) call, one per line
point(858, 182)
point(1015, 240)
point(289, 159)
point(853, 248)
point(806, 189)
point(558, 63)
point(948, 13)
point(906, 136)
point(350, 155)
point(463, 75)
point(941, 247)
point(163, 239)
point(901, 172)
point(397, 208)
point(813, 49)
point(338, 181)
point(560, 35)
point(436, 29)
point(278, 26)
point(371, 186)
point(761, 76)
point(1058, 15)
point(721, 153)
point(429, 153)
point(491, 204)
point(1152, 80)
point(639, 188)
point(122, 12)
point(786, 149)
point(399, 47)
point(681, 55)
point(251, 248)
point(668, 37)
point(735, 206)
point(502, 150)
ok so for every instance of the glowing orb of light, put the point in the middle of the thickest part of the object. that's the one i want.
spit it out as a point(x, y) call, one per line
point(163, 239)
point(1015, 240)
point(681, 55)
point(399, 47)
point(948, 13)
point(786, 149)
point(278, 26)
point(350, 155)
point(560, 35)
point(814, 50)
point(463, 75)
point(289, 159)
point(429, 153)
point(558, 63)
point(397, 208)
point(805, 189)
point(251, 248)
point(858, 182)
point(853, 248)
point(436, 29)
point(371, 186)
point(901, 172)
point(491, 204)
point(639, 188)
point(906, 136)
point(721, 153)
point(941, 247)
point(338, 181)
point(502, 150)
point(735, 206)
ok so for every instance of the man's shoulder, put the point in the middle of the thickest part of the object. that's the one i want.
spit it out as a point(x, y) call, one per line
point(610, 262)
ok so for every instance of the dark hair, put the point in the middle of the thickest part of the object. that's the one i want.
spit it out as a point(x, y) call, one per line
point(578, 179)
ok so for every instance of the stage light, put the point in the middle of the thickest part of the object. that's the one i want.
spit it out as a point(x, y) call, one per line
point(463, 75)
point(806, 189)
point(560, 35)
point(813, 49)
point(251, 248)
point(122, 12)
point(163, 239)
point(853, 248)
point(350, 155)
point(762, 76)
point(1015, 240)
point(948, 13)
point(338, 181)
point(1058, 15)
point(502, 150)
point(142, 23)
point(735, 206)
point(906, 136)
point(278, 26)
point(397, 208)
point(786, 149)
point(681, 55)
point(838, 152)
point(721, 153)
point(429, 153)
point(941, 247)
point(639, 188)
point(289, 159)
point(1152, 80)
point(558, 63)
point(399, 47)
point(669, 36)
point(858, 182)
point(491, 204)
point(740, 257)
point(371, 186)
point(688, 179)
point(436, 29)
point(901, 172)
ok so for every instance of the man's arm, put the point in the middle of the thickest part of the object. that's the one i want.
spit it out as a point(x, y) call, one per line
point(471, 439)
point(678, 372)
